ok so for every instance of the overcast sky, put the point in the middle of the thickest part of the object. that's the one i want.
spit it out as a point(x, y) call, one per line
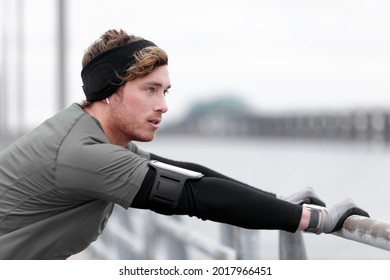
point(278, 55)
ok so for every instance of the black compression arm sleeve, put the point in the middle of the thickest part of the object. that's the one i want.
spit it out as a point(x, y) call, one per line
point(226, 201)
point(207, 172)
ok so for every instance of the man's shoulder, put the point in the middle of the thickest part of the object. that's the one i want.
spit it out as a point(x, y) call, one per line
point(69, 114)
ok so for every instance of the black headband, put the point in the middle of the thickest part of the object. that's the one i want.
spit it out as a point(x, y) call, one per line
point(100, 75)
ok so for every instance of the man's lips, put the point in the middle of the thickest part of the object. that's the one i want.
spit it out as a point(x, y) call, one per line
point(155, 122)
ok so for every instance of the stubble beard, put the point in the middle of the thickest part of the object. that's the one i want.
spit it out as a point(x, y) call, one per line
point(125, 122)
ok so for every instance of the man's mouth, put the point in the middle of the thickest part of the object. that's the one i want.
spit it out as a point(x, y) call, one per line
point(155, 122)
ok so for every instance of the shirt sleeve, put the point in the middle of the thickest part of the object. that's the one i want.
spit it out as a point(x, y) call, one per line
point(88, 165)
point(134, 148)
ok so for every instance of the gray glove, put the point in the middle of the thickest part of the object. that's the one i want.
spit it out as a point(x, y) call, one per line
point(305, 196)
point(332, 219)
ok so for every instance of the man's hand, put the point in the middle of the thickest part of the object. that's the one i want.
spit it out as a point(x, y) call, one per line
point(305, 196)
point(332, 219)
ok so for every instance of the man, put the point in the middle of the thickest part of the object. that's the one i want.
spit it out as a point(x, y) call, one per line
point(59, 183)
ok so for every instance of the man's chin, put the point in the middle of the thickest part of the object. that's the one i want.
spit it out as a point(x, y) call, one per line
point(145, 138)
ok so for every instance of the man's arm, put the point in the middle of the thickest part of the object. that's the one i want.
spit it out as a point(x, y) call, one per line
point(228, 201)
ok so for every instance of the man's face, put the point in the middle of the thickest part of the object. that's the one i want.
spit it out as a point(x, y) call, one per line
point(136, 110)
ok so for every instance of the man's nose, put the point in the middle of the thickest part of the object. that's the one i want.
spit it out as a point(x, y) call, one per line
point(161, 106)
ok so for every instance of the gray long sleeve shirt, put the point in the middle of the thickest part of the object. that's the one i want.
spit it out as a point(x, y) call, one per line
point(58, 185)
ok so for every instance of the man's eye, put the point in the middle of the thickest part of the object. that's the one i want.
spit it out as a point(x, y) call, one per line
point(150, 89)
point(166, 92)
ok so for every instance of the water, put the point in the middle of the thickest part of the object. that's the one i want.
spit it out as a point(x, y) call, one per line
point(335, 171)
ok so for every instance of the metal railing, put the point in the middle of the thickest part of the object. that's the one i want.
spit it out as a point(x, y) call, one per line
point(146, 235)
point(366, 230)
point(357, 228)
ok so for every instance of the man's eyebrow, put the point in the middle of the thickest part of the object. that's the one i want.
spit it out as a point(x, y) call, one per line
point(158, 84)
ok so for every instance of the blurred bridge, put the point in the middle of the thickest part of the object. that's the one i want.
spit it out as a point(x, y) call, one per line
point(354, 125)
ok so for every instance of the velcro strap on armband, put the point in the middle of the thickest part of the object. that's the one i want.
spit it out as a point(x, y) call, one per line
point(169, 182)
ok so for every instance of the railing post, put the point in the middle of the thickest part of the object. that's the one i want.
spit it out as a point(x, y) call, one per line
point(247, 244)
point(150, 236)
point(159, 244)
point(244, 241)
point(227, 235)
point(291, 246)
